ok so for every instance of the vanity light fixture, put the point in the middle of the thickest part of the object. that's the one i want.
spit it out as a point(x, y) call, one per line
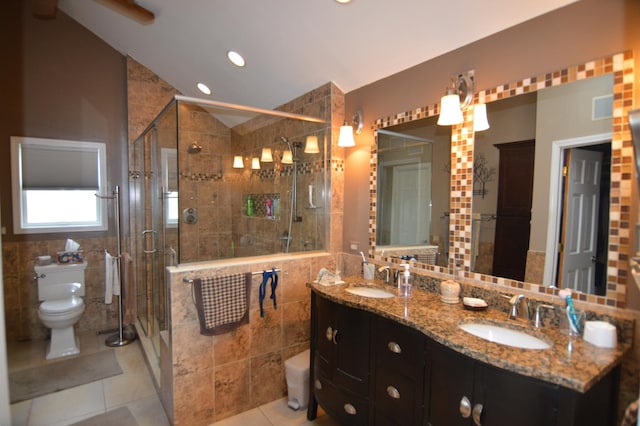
point(266, 156)
point(457, 98)
point(346, 130)
point(236, 58)
point(204, 88)
point(287, 157)
point(237, 162)
point(311, 146)
point(480, 121)
point(255, 163)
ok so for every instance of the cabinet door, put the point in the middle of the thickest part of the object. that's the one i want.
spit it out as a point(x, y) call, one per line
point(325, 329)
point(511, 399)
point(352, 363)
point(450, 381)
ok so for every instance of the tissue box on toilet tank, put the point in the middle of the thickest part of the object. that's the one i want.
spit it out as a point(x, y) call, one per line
point(71, 256)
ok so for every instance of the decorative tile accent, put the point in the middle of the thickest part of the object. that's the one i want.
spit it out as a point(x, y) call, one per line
point(621, 65)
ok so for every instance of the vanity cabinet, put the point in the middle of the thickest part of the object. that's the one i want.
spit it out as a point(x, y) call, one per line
point(399, 353)
point(341, 361)
point(369, 370)
point(462, 391)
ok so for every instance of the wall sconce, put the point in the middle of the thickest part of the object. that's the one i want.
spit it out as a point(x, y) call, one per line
point(480, 121)
point(311, 146)
point(266, 156)
point(457, 98)
point(255, 163)
point(237, 162)
point(287, 157)
point(346, 130)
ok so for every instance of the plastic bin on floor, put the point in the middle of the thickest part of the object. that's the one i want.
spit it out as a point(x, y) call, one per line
point(297, 374)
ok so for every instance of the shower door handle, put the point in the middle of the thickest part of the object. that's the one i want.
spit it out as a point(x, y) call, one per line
point(153, 240)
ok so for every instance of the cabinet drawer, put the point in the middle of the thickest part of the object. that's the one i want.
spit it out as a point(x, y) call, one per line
point(397, 396)
point(398, 348)
point(343, 406)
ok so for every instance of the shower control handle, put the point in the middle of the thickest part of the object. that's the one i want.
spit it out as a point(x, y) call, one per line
point(153, 240)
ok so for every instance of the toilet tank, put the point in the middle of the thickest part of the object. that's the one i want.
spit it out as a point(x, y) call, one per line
point(54, 281)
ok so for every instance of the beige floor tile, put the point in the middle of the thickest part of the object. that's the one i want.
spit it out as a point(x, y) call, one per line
point(279, 413)
point(124, 388)
point(148, 412)
point(74, 402)
point(20, 413)
point(253, 417)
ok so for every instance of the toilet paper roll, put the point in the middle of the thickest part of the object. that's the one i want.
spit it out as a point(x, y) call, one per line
point(600, 333)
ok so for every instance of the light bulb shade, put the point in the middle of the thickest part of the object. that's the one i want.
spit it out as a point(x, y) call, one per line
point(255, 163)
point(450, 112)
point(237, 162)
point(311, 147)
point(266, 156)
point(287, 157)
point(346, 136)
point(480, 121)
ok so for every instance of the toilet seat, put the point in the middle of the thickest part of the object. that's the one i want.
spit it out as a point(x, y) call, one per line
point(62, 306)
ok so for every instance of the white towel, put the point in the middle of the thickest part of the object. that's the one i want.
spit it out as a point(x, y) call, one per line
point(111, 278)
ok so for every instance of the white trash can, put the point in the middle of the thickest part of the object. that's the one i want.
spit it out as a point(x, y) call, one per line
point(297, 374)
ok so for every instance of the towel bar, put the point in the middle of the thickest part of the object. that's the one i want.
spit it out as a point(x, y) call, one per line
point(190, 281)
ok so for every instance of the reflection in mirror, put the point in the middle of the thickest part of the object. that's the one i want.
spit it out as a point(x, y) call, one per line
point(530, 224)
point(412, 196)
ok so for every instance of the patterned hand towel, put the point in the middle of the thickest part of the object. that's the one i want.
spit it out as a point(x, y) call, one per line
point(222, 302)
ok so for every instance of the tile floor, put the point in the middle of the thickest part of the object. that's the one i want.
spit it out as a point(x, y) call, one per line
point(133, 389)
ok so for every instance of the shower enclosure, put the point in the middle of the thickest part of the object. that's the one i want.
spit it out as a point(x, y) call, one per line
point(212, 181)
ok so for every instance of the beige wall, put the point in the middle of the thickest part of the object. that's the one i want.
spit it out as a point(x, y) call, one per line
point(57, 81)
point(585, 30)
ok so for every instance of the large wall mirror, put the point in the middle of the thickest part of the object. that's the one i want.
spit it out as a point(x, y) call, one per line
point(575, 115)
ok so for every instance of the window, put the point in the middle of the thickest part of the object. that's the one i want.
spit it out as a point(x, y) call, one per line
point(169, 157)
point(55, 183)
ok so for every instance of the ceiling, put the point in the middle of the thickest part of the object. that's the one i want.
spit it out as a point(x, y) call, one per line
point(294, 46)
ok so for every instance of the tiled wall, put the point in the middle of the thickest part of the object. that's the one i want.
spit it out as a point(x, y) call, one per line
point(21, 291)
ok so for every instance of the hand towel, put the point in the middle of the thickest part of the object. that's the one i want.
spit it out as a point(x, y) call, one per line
point(111, 278)
point(222, 302)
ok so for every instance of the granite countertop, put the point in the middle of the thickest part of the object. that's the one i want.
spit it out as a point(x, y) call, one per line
point(570, 362)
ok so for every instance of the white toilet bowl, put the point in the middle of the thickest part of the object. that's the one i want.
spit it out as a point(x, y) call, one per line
point(60, 315)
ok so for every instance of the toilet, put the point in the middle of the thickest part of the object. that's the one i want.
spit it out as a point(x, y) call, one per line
point(60, 289)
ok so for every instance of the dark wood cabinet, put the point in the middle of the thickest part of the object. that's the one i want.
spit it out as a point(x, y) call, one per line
point(370, 370)
point(341, 361)
point(513, 212)
point(399, 353)
point(462, 391)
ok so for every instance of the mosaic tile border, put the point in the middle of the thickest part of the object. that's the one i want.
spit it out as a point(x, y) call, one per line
point(621, 66)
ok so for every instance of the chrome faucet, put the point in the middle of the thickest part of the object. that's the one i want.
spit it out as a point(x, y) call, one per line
point(519, 307)
point(538, 320)
point(388, 270)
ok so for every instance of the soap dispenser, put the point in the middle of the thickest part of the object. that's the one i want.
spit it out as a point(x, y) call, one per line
point(404, 281)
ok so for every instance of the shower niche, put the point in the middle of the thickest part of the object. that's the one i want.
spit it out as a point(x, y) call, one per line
point(209, 159)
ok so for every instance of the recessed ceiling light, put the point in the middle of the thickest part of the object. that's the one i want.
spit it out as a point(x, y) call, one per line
point(343, 1)
point(235, 58)
point(204, 88)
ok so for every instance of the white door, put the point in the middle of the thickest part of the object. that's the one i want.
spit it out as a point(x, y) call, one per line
point(582, 193)
point(411, 200)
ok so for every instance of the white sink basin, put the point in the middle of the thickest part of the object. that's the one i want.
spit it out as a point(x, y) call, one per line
point(376, 293)
point(505, 336)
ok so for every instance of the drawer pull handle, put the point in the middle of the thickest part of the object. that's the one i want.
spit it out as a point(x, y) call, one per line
point(465, 407)
point(317, 384)
point(394, 347)
point(350, 409)
point(329, 333)
point(477, 413)
point(393, 392)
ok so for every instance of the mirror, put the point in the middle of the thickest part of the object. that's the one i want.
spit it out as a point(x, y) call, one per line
point(520, 245)
point(413, 190)
point(461, 200)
